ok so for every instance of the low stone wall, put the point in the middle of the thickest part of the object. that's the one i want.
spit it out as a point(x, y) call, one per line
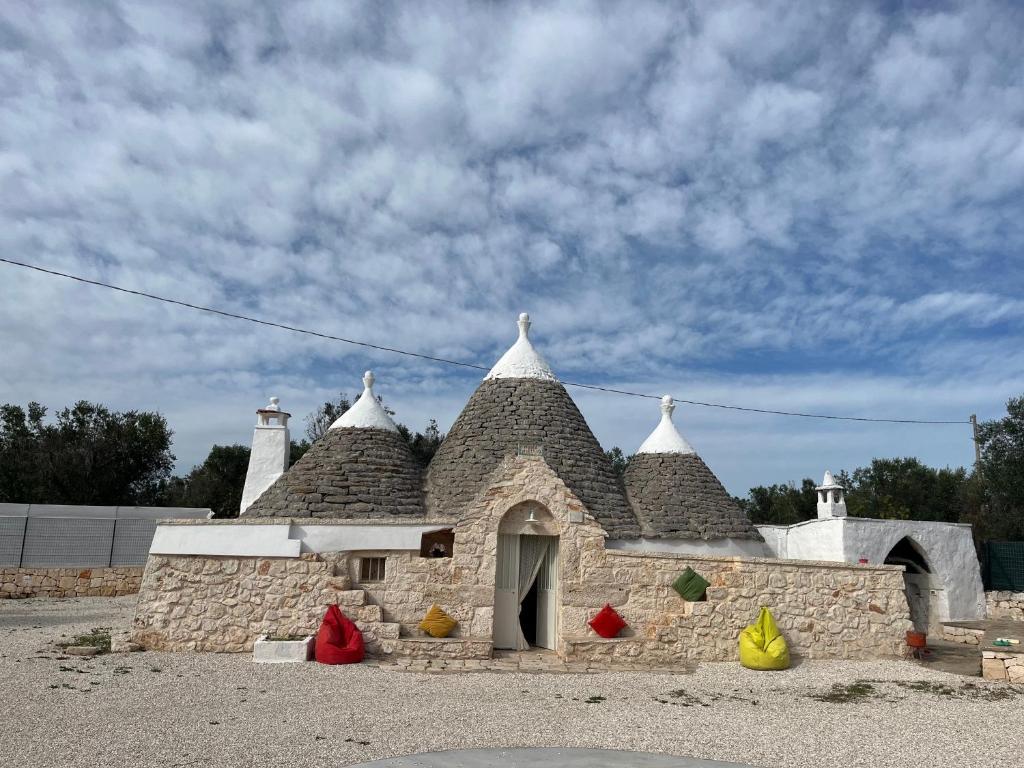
point(69, 582)
point(1002, 665)
point(825, 610)
point(1005, 605)
point(952, 633)
point(204, 603)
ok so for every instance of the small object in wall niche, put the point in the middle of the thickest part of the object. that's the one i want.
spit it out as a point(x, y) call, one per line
point(607, 623)
point(863, 561)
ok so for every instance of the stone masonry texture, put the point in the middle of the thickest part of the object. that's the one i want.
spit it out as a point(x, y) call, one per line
point(1005, 605)
point(349, 473)
point(825, 610)
point(69, 582)
point(506, 414)
point(676, 496)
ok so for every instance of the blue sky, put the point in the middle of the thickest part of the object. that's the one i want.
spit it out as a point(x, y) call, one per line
point(801, 206)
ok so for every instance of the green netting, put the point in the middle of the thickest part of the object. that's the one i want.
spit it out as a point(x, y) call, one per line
point(1004, 565)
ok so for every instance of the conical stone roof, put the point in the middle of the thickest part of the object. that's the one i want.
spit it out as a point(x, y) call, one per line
point(521, 406)
point(675, 495)
point(361, 468)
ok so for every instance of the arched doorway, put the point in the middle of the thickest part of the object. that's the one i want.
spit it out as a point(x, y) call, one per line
point(917, 580)
point(526, 579)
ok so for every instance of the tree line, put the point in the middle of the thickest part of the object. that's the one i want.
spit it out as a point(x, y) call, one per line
point(88, 454)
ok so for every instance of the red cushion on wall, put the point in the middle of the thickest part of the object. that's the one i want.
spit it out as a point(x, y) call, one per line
point(607, 623)
point(339, 640)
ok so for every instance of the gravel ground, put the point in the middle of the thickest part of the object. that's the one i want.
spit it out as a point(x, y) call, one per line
point(161, 709)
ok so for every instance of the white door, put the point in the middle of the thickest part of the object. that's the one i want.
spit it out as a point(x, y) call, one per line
point(506, 592)
point(547, 597)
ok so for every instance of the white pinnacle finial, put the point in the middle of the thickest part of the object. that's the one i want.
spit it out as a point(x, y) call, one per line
point(367, 412)
point(524, 326)
point(274, 404)
point(522, 361)
point(666, 438)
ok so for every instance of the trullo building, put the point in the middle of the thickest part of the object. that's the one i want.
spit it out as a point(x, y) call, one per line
point(519, 528)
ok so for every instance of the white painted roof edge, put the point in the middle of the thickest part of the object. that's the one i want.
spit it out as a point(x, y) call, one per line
point(666, 438)
point(366, 412)
point(522, 360)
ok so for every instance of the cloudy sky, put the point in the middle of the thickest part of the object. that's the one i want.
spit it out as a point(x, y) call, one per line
point(800, 206)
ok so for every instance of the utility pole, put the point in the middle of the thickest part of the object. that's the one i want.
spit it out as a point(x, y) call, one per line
point(977, 444)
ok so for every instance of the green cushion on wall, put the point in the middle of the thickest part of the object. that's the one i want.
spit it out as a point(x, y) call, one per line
point(691, 585)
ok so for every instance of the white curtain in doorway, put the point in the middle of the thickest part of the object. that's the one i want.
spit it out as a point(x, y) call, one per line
point(532, 552)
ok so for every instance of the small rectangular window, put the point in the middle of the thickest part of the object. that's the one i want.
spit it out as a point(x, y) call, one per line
point(372, 568)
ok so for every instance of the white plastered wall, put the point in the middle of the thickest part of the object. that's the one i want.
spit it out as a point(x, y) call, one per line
point(721, 547)
point(284, 540)
point(267, 462)
point(948, 548)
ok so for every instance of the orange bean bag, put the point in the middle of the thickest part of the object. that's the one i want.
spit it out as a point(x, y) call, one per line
point(339, 640)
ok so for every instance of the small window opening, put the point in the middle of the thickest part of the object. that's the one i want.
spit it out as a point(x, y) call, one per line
point(437, 543)
point(372, 568)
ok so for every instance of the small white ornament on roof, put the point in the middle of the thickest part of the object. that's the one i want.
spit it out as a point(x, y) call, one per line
point(666, 438)
point(522, 361)
point(367, 412)
point(831, 500)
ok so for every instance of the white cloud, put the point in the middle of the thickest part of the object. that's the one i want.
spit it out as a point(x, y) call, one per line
point(710, 197)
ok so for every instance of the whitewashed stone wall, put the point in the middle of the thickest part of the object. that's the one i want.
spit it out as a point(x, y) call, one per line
point(1005, 605)
point(827, 610)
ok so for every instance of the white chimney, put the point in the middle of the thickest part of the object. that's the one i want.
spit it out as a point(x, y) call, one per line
point(268, 459)
point(831, 500)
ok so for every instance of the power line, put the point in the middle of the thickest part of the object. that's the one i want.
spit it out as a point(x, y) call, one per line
point(446, 361)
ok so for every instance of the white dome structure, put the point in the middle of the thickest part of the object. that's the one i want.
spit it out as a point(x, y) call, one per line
point(666, 438)
point(522, 361)
point(366, 412)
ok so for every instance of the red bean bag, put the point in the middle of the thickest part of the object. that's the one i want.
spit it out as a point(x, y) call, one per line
point(339, 640)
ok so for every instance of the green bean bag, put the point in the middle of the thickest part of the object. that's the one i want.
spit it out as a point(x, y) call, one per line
point(691, 585)
point(762, 646)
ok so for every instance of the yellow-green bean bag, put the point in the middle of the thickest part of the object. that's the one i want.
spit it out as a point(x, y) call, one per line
point(762, 646)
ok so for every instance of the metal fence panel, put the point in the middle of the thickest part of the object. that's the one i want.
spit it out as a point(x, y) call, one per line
point(58, 542)
point(12, 533)
point(132, 537)
point(1004, 565)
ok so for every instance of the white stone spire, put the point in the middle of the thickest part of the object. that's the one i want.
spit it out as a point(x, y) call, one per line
point(367, 412)
point(666, 438)
point(522, 361)
point(268, 458)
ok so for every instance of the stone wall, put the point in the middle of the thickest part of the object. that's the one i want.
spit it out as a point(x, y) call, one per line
point(826, 610)
point(1005, 605)
point(69, 582)
point(224, 603)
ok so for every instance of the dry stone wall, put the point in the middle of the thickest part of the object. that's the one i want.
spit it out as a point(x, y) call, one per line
point(69, 582)
point(826, 610)
point(1005, 605)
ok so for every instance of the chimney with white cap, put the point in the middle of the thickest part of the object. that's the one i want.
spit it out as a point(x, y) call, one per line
point(268, 460)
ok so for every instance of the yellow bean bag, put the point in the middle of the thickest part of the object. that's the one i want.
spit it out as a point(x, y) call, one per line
point(762, 646)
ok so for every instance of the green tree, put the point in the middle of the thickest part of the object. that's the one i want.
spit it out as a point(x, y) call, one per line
point(88, 455)
point(780, 504)
point(619, 460)
point(1000, 513)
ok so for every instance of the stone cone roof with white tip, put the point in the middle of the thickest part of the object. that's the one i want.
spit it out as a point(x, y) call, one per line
point(675, 495)
point(520, 404)
point(361, 468)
